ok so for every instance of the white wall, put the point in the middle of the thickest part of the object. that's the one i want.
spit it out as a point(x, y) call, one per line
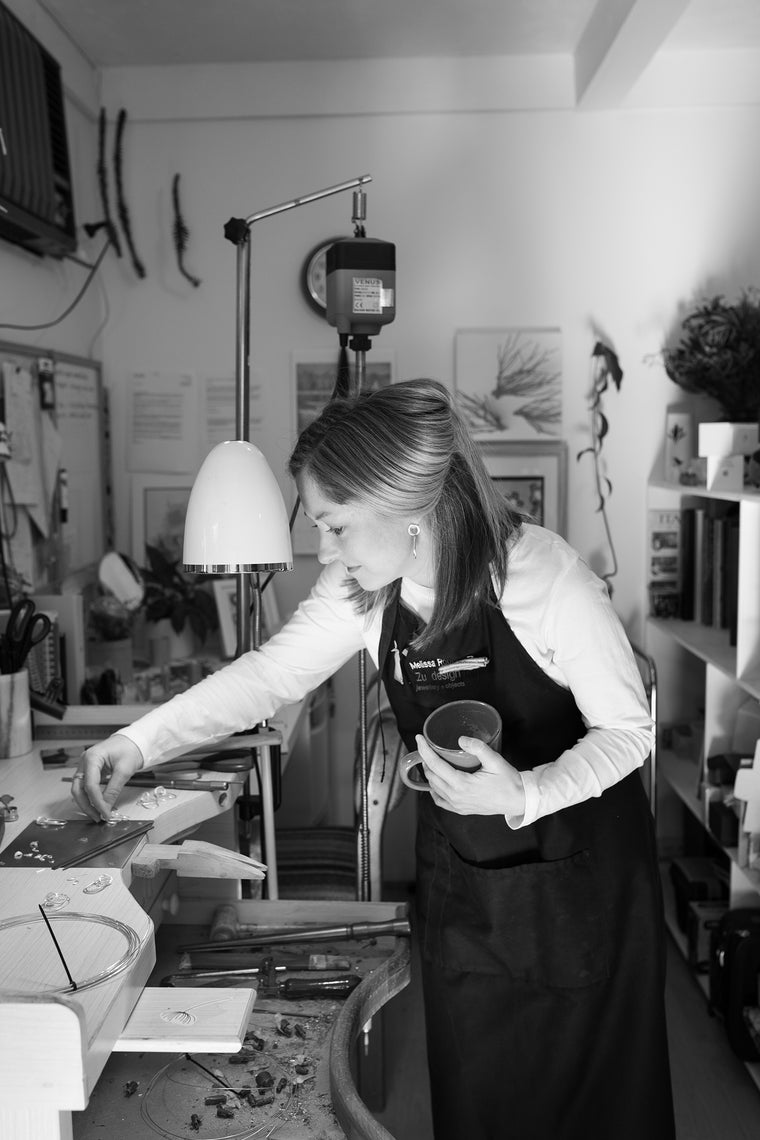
point(599, 223)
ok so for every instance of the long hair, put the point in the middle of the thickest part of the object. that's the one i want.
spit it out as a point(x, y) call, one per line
point(405, 450)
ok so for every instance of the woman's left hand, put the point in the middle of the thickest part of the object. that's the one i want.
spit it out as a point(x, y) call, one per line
point(494, 789)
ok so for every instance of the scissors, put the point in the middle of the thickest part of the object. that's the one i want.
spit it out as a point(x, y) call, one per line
point(25, 629)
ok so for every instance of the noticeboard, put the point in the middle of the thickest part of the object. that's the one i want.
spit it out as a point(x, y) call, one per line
point(56, 514)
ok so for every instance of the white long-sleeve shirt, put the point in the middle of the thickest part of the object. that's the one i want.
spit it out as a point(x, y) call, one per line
point(557, 608)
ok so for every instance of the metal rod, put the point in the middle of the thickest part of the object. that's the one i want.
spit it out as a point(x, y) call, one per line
point(364, 869)
point(306, 198)
point(397, 926)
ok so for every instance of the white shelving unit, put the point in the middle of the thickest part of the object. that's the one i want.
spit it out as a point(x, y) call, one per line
point(702, 678)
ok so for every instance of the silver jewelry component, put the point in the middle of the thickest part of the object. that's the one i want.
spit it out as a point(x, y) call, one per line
point(413, 530)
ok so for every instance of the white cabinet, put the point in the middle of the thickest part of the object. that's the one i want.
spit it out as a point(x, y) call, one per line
point(703, 680)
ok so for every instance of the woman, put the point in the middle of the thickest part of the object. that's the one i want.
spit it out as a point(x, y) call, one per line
point(539, 912)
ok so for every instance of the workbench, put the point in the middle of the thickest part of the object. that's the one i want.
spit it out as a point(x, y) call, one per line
point(325, 1036)
point(58, 1056)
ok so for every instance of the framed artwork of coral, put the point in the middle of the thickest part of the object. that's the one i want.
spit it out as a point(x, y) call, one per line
point(508, 382)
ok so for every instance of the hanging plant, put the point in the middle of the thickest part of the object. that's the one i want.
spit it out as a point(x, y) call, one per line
point(605, 369)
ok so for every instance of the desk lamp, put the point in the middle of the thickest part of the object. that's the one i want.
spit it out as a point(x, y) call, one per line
point(236, 518)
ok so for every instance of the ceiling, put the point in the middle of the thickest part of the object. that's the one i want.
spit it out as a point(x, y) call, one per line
point(118, 33)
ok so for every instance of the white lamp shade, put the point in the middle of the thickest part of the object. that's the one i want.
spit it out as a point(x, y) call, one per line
point(236, 518)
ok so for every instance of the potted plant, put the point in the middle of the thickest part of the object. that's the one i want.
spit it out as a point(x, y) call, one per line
point(174, 596)
point(718, 355)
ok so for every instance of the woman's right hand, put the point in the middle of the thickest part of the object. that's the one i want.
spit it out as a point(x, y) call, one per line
point(116, 758)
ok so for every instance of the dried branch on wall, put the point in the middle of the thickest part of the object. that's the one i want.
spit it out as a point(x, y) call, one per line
point(181, 234)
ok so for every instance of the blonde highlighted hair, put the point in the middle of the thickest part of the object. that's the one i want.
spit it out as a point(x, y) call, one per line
point(405, 450)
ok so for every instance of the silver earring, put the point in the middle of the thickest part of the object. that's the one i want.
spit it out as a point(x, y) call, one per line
point(413, 530)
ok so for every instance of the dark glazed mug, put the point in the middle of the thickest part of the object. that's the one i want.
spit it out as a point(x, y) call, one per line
point(442, 731)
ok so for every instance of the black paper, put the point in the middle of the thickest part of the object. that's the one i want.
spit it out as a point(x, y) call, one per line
point(78, 841)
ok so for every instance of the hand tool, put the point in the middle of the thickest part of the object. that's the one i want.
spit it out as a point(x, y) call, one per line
point(311, 963)
point(26, 627)
point(292, 989)
point(225, 924)
point(307, 934)
point(148, 781)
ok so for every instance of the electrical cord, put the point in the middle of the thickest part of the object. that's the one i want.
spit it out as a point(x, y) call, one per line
point(72, 306)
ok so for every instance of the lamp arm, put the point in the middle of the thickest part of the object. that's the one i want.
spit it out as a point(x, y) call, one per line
point(306, 198)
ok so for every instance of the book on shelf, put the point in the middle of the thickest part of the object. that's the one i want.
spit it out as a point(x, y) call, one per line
point(664, 563)
point(732, 577)
point(698, 585)
point(688, 562)
point(708, 570)
point(706, 556)
point(719, 573)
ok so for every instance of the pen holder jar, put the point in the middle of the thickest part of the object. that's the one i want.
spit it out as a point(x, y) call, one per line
point(15, 715)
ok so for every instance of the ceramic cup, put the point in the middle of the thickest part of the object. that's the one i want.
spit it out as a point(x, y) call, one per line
point(15, 715)
point(442, 730)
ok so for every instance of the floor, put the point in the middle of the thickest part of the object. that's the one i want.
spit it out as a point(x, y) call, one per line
point(715, 1097)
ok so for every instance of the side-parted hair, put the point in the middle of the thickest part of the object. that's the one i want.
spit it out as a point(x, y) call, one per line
point(404, 450)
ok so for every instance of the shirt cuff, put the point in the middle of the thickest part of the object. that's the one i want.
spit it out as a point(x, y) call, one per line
point(530, 788)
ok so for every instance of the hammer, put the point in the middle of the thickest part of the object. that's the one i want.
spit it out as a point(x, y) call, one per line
point(225, 925)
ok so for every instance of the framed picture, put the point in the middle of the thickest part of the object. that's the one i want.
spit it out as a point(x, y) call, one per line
point(532, 477)
point(314, 374)
point(159, 506)
point(225, 596)
point(508, 382)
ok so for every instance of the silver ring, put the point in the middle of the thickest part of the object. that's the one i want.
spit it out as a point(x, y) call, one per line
point(77, 776)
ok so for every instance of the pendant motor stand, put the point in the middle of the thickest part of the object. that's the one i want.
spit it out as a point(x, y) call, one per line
point(360, 294)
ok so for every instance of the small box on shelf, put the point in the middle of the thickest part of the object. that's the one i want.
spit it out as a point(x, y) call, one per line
point(727, 439)
point(702, 918)
point(695, 879)
point(725, 472)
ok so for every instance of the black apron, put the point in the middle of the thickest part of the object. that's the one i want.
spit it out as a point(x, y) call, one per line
point(543, 949)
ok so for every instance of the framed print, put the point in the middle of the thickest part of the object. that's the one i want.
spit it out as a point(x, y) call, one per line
point(225, 596)
point(314, 375)
point(159, 506)
point(532, 477)
point(508, 382)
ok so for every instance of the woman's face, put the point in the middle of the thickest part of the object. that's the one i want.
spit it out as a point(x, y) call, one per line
point(374, 548)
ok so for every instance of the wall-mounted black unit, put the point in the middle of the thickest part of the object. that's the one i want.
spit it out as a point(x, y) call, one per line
point(36, 198)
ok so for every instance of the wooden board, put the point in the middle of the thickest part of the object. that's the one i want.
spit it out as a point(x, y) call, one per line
point(56, 1039)
point(176, 1020)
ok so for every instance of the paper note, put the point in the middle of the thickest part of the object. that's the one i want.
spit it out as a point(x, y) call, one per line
point(163, 423)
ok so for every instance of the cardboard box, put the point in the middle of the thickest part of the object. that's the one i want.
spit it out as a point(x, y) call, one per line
point(727, 439)
point(725, 472)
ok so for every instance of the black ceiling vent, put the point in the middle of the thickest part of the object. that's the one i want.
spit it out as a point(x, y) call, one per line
point(36, 197)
